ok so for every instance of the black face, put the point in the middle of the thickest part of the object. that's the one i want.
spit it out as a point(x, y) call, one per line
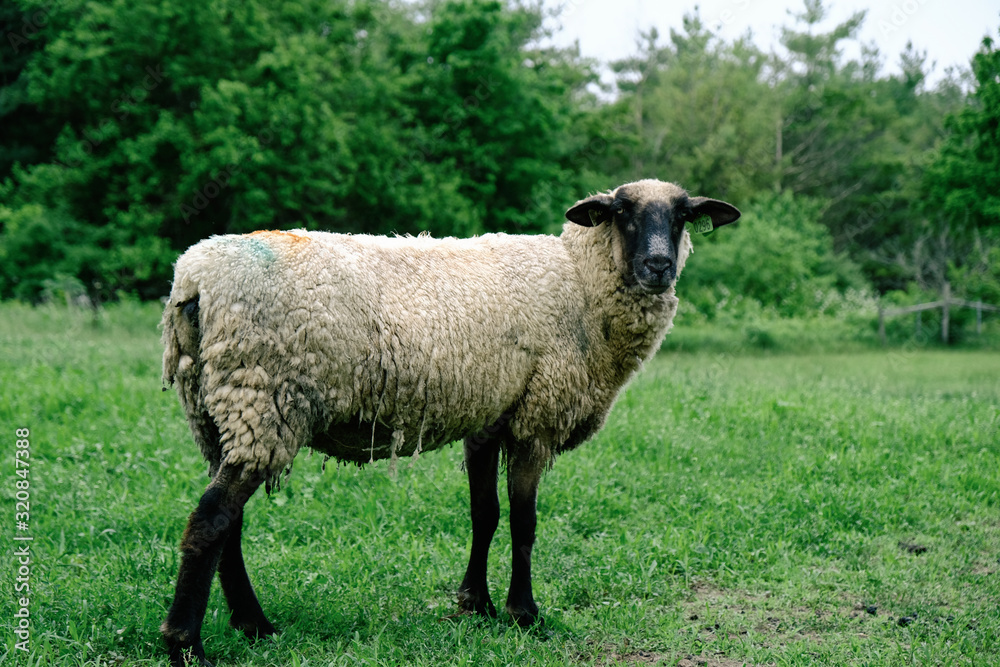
point(651, 236)
point(650, 216)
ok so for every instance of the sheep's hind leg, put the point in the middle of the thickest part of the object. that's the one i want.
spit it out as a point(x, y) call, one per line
point(523, 475)
point(247, 615)
point(201, 549)
point(481, 462)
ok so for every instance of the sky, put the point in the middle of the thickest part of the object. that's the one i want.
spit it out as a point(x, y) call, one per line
point(949, 30)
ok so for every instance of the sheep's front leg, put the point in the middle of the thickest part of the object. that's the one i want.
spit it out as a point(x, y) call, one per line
point(208, 529)
point(523, 475)
point(481, 462)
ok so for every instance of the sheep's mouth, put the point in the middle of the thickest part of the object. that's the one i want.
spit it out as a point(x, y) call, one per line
point(654, 286)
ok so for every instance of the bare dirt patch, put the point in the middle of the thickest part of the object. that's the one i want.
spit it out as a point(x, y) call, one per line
point(739, 615)
point(617, 656)
point(712, 661)
point(652, 658)
point(639, 658)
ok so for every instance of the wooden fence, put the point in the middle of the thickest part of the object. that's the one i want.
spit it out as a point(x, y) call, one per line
point(945, 304)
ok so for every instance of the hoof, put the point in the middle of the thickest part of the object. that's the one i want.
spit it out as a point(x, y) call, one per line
point(476, 604)
point(253, 630)
point(526, 616)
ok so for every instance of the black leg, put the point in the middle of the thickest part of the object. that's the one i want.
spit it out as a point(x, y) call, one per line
point(247, 615)
point(481, 460)
point(209, 526)
point(523, 475)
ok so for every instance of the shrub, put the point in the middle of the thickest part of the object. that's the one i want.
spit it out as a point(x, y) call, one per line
point(777, 258)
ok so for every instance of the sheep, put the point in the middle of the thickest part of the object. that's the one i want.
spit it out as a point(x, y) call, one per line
point(369, 348)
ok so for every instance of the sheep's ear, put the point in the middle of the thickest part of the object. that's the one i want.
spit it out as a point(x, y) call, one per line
point(591, 211)
point(720, 212)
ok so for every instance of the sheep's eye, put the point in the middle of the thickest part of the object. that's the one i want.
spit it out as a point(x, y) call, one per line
point(620, 210)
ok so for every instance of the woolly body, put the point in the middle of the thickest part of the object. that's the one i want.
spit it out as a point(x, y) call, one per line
point(371, 347)
point(368, 347)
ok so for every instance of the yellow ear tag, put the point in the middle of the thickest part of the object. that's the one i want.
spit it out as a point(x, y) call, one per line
point(702, 225)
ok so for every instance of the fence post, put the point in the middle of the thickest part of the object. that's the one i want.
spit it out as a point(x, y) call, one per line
point(946, 297)
point(979, 317)
point(881, 323)
point(919, 329)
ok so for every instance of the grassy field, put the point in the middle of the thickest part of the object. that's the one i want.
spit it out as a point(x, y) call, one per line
point(788, 510)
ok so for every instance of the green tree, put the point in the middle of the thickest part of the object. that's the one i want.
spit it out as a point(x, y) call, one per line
point(961, 187)
point(698, 112)
point(858, 139)
point(26, 132)
point(494, 119)
point(177, 121)
point(824, 119)
point(779, 256)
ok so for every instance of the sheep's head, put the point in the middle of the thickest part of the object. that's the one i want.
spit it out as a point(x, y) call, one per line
point(649, 217)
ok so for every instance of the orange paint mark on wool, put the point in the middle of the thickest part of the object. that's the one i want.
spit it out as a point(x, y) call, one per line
point(280, 241)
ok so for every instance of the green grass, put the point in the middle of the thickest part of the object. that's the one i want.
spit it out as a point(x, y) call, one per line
point(735, 509)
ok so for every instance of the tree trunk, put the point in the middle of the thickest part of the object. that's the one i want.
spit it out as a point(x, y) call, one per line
point(946, 297)
point(777, 155)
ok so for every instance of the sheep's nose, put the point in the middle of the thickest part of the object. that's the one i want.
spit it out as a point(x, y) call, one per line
point(658, 263)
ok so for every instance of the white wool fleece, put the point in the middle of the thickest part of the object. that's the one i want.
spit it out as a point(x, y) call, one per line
point(371, 347)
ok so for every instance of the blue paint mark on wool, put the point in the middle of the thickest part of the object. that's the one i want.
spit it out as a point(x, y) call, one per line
point(253, 248)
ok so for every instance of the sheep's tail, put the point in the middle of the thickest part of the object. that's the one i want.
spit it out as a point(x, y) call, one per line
point(181, 339)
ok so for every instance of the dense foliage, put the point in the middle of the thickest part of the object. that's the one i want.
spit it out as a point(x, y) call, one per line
point(177, 122)
point(779, 256)
point(130, 130)
point(961, 187)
